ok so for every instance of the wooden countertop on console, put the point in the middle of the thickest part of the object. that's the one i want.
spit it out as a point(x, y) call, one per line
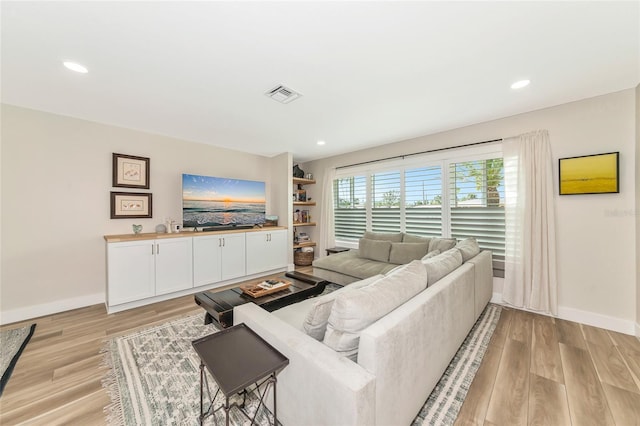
point(156, 236)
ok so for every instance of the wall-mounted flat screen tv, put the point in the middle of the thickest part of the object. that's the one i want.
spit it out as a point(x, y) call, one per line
point(589, 174)
point(209, 201)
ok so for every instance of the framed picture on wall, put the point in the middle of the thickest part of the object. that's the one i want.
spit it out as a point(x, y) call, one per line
point(130, 171)
point(589, 174)
point(130, 205)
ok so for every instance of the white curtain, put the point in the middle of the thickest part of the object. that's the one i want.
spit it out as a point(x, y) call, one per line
point(530, 250)
point(327, 238)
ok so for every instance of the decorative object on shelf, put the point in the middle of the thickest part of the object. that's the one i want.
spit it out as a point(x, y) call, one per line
point(170, 223)
point(271, 220)
point(301, 195)
point(302, 257)
point(130, 205)
point(589, 174)
point(137, 229)
point(298, 172)
point(161, 229)
point(130, 171)
point(309, 176)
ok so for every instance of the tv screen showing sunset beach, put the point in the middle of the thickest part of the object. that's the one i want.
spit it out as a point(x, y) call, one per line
point(214, 201)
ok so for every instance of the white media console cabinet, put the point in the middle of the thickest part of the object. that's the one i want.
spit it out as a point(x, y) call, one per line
point(149, 268)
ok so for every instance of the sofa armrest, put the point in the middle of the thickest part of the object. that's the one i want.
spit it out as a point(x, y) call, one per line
point(318, 387)
point(483, 271)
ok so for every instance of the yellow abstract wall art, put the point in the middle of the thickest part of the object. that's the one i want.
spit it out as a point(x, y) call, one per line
point(589, 174)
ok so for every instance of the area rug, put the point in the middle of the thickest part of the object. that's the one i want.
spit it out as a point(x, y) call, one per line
point(154, 376)
point(12, 343)
point(444, 403)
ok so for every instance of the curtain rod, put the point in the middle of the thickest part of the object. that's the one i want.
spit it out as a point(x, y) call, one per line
point(418, 153)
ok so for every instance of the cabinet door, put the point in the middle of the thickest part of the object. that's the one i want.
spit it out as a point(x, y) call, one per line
point(130, 271)
point(266, 251)
point(174, 265)
point(277, 248)
point(233, 262)
point(206, 260)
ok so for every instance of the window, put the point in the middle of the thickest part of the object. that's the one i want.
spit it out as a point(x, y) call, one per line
point(477, 202)
point(423, 201)
point(350, 214)
point(450, 197)
point(385, 191)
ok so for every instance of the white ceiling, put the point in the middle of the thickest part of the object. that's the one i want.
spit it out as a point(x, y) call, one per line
point(370, 72)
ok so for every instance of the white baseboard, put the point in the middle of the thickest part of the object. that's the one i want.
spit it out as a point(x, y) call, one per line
point(29, 312)
point(589, 318)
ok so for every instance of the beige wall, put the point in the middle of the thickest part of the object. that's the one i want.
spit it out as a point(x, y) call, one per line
point(596, 250)
point(56, 179)
point(637, 210)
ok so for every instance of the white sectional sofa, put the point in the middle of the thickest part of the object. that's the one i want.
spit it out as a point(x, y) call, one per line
point(400, 356)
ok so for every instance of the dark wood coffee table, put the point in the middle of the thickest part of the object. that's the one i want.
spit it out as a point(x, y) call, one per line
point(219, 305)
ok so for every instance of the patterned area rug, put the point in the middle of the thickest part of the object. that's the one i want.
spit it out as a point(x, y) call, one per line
point(154, 376)
point(12, 343)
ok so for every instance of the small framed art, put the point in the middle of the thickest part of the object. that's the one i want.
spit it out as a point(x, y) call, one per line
point(130, 205)
point(130, 171)
point(589, 174)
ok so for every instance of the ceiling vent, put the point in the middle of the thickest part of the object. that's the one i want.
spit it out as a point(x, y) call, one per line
point(283, 94)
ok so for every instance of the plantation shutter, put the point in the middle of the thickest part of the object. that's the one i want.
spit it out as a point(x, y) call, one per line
point(385, 212)
point(350, 214)
point(423, 201)
point(477, 203)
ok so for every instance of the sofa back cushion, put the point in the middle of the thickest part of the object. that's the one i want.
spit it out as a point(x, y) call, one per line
point(394, 237)
point(442, 264)
point(374, 249)
point(442, 244)
point(468, 248)
point(408, 238)
point(315, 323)
point(402, 253)
point(354, 311)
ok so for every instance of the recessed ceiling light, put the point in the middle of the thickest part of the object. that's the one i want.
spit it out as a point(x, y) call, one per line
point(520, 84)
point(321, 142)
point(73, 66)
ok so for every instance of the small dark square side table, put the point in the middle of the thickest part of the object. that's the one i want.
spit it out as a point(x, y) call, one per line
point(334, 250)
point(237, 357)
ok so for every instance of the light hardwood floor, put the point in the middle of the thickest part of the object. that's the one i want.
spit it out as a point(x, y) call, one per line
point(537, 370)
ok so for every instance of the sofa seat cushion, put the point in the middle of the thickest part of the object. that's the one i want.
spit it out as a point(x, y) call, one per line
point(442, 264)
point(350, 263)
point(355, 310)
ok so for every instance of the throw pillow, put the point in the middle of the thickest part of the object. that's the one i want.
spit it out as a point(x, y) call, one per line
point(315, 323)
point(354, 311)
point(468, 248)
point(402, 253)
point(408, 238)
point(430, 254)
point(374, 249)
point(442, 264)
point(383, 236)
point(442, 244)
